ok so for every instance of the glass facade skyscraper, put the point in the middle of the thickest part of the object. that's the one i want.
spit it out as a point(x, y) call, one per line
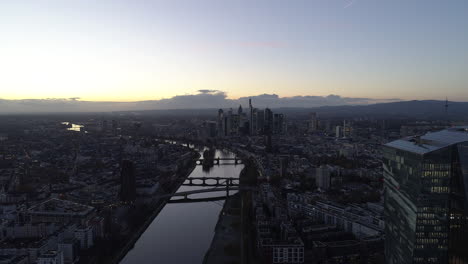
point(426, 192)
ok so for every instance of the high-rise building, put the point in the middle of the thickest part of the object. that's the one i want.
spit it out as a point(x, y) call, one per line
point(251, 121)
point(229, 122)
point(127, 181)
point(261, 121)
point(235, 124)
point(313, 122)
point(254, 122)
point(338, 131)
point(220, 123)
point(278, 123)
point(347, 129)
point(268, 123)
point(210, 129)
point(426, 198)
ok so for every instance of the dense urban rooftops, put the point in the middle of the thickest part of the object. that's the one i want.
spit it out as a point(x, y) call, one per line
point(60, 207)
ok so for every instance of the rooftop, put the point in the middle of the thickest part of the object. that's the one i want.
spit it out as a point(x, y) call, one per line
point(57, 206)
point(432, 141)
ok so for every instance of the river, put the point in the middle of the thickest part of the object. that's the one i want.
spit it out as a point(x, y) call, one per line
point(182, 232)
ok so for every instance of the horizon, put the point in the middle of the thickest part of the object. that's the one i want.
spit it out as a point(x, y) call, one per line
point(202, 102)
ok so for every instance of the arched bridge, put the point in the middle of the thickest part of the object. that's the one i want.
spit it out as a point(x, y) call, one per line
point(216, 161)
point(184, 196)
point(197, 200)
point(211, 181)
point(205, 190)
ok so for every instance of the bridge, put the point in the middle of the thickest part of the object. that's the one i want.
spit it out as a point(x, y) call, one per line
point(216, 161)
point(211, 181)
point(218, 184)
point(197, 200)
point(206, 190)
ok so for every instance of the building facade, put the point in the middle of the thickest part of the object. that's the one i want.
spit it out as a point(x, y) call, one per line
point(426, 185)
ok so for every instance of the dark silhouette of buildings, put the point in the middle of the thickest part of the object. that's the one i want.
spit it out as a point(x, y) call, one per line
point(127, 181)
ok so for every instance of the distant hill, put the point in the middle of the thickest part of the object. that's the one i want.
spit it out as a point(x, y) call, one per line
point(431, 109)
point(425, 109)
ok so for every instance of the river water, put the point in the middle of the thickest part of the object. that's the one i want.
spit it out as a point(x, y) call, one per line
point(182, 232)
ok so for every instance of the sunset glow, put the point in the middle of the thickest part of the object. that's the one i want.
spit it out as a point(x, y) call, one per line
point(145, 50)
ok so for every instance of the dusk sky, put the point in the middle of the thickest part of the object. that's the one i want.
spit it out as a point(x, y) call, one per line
point(147, 50)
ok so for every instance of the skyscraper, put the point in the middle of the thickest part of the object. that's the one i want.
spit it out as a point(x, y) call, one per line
point(338, 132)
point(261, 121)
point(278, 123)
point(268, 123)
point(127, 181)
point(426, 198)
point(220, 123)
point(251, 122)
point(313, 123)
point(229, 123)
point(254, 122)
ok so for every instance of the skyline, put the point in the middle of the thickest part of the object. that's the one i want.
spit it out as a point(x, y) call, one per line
point(201, 100)
point(123, 51)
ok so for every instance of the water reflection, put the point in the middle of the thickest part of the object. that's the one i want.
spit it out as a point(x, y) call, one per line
point(182, 232)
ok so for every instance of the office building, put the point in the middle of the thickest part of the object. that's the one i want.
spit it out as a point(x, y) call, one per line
point(220, 124)
point(127, 181)
point(338, 132)
point(210, 129)
point(70, 249)
point(278, 123)
point(261, 121)
point(254, 122)
point(51, 257)
point(426, 192)
point(313, 122)
point(251, 119)
point(268, 123)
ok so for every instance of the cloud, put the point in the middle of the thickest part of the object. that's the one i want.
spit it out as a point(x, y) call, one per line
point(349, 3)
point(208, 91)
point(202, 99)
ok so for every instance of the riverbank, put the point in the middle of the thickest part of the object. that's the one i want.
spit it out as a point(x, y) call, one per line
point(136, 234)
point(225, 246)
point(233, 239)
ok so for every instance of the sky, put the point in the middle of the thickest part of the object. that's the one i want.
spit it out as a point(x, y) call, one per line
point(123, 51)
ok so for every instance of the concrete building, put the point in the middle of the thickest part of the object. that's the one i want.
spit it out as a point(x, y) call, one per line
point(51, 257)
point(60, 211)
point(70, 250)
point(13, 259)
point(85, 237)
point(352, 218)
